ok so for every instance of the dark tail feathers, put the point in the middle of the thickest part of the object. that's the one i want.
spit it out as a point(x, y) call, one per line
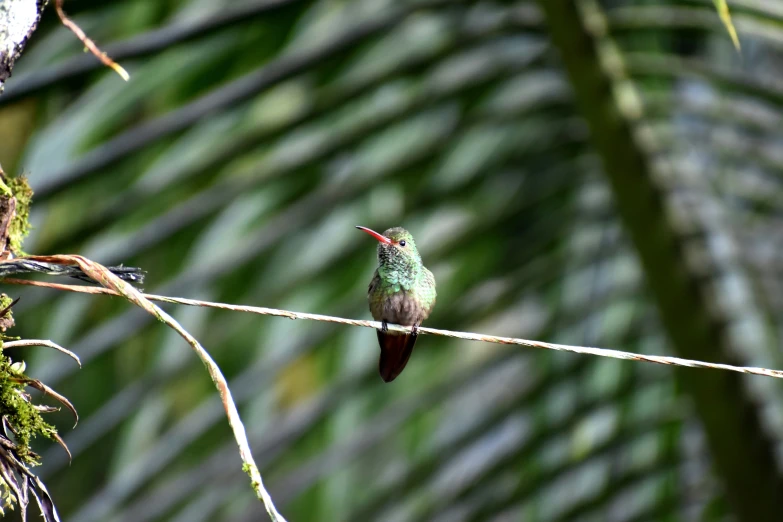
point(396, 349)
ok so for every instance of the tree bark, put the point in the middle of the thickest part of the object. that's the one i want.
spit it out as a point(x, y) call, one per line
point(18, 20)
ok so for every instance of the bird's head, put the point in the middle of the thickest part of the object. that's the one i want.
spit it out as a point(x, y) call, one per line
point(396, 248)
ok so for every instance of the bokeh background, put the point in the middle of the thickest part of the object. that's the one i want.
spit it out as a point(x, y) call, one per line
point(255, 134)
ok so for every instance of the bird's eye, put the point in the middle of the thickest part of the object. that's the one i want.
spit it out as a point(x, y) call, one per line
point(402, 243)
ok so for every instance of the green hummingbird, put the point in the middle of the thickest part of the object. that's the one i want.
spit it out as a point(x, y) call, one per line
point(402, 291)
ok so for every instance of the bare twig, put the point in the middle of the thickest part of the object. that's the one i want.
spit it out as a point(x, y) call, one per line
point(601, 352)
point(89, 44)
point(43, 388)
point(41, 342)
point(116, 286)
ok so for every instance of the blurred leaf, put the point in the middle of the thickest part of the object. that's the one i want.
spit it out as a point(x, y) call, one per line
point(722, 6)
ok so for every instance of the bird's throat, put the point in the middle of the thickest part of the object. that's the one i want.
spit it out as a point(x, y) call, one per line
point(399, 278)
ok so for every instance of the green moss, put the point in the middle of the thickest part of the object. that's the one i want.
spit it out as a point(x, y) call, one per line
point(249, 469)
point(21, 414)
point(7, 497)
point(20, 226)
point(5, 301)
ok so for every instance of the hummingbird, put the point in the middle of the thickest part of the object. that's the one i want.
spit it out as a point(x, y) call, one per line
point(402, 291)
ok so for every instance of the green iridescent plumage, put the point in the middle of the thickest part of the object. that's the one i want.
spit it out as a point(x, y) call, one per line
point(402, 292)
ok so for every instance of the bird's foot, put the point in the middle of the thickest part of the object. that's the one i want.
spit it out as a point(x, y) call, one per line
point(415, 330)
point(384, 326)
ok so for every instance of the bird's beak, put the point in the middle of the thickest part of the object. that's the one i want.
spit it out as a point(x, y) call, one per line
point(376, 235)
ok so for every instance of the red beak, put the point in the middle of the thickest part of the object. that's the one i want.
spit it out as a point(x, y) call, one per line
point(376, 235)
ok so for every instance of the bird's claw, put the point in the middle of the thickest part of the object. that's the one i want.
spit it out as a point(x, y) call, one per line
point(415, 330)
point(384, 327)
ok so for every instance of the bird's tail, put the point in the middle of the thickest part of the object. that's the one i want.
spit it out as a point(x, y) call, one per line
point(396, 349)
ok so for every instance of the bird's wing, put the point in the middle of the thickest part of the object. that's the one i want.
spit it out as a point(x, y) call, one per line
point(431, 279)
point(376, 279)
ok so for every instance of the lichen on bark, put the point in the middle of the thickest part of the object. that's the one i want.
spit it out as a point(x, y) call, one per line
point(20, 224)
point(15, 199)
point(18, 20)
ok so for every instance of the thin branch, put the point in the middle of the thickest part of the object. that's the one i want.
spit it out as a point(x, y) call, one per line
point(116, 286)
point(89, 44)
point(41, 342)
point(469, 336)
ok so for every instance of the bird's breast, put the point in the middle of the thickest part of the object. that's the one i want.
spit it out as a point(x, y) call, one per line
point(399, 308)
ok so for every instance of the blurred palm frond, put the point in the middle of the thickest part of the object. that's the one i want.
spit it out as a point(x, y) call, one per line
point(254, 135)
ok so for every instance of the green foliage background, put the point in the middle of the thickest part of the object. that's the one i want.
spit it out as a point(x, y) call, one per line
point(233, 166)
